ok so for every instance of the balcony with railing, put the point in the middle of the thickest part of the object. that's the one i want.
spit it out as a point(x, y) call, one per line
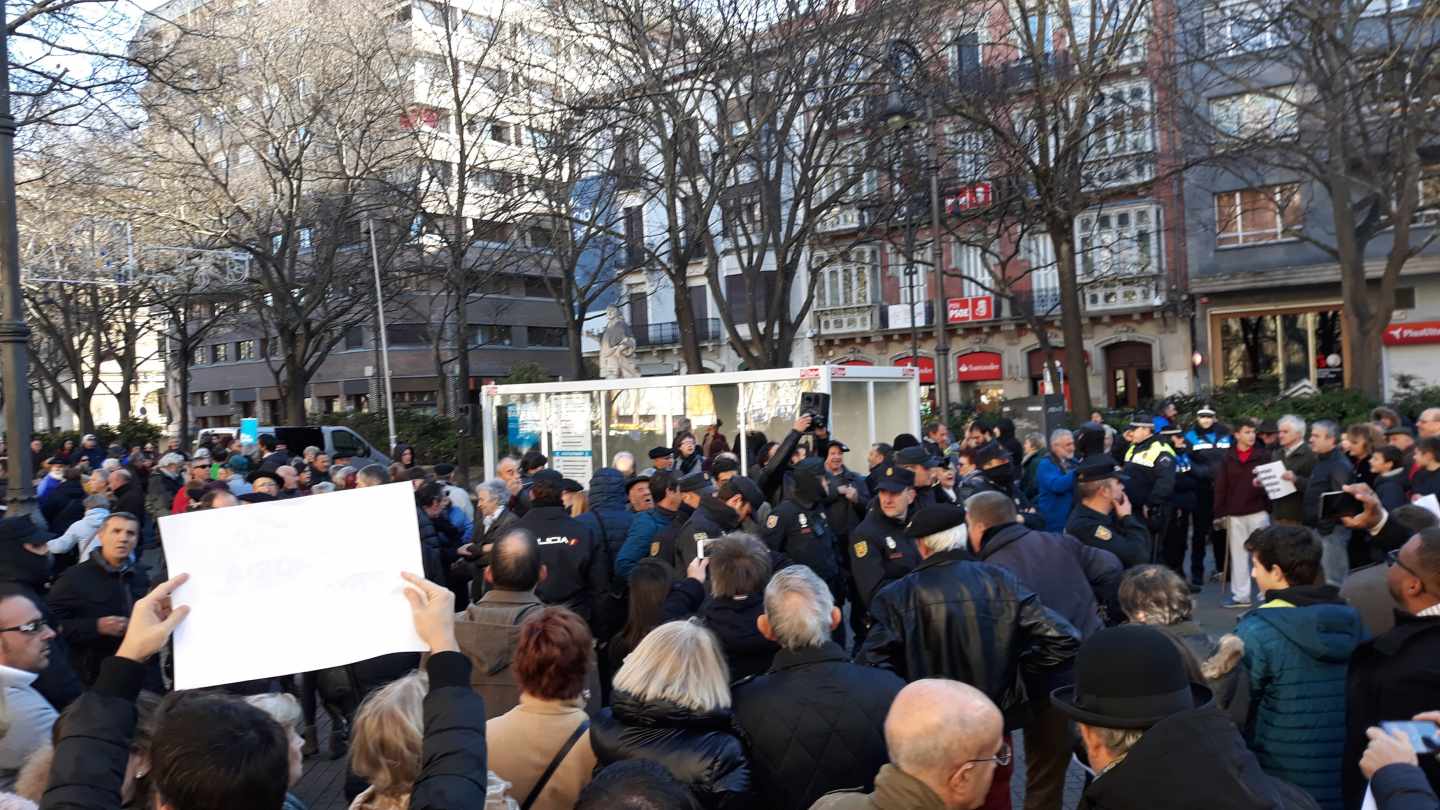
point(848, 218)
point(847, 318)
point(668, 333)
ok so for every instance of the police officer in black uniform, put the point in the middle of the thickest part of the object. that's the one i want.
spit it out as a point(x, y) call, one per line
point(799, 529)
point(879, 550)
point(1150, 467)
point(577, 573)
point(719, 514)
point(1102, 517)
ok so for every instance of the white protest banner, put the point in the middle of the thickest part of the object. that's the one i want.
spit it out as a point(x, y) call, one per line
point(1270, 477)
point(293, 585)
point(1429, 502)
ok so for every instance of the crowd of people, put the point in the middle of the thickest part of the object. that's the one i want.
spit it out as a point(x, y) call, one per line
point(684, 633)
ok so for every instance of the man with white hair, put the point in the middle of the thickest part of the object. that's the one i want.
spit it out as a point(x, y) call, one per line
point(1299, 461)
point(947, 752)
point(624, 461)
point(815, 721)
point(1429, 423)
point(127, 495)
point(161, 490)
point(968, 621)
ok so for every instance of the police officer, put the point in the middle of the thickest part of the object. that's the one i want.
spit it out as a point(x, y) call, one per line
point(693, 489)
point(919, 462)
point(879, 550)
point(1150, 467)
point(1208, 441)
point(576, 568)
point(799, 529)
point(1102, 517)
point(718, 514)
point(1183, 503)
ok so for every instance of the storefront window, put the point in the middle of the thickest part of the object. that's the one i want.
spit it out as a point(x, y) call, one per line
point(1270, 352)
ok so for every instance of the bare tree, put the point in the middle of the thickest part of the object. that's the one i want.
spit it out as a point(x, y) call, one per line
point(1327, 110)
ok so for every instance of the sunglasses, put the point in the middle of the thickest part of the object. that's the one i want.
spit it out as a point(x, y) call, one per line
point(30, 628)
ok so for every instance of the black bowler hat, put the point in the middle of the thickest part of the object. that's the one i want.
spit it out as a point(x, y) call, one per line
point(570, 485)
point(1268, 426)
point(894, 478)
point(19, 529)
point(661, 452)
point(990, 451)
point(1129, 677)
point(258, 474)
point(1399, 430)
point(631, 482)
point(934, 519)
point(443, 470)
point(1098, 468)
point(724, 463)
point(916, 457)
point(551, 476)
point(256, 497)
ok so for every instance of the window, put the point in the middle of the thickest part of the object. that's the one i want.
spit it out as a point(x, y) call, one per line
point(245, 350)
point(536, 287)
point(542, 238)
point(973, 265)
point(306, 237)
point(435, 13)
point(222, 397)
point(634, 236)
point(740, 216)
point(1118, 242)
point(491, 334)
point(551, 336)
point(490, 231)
point(355, 337)
point(440, 173)
point(1256, 215)
point(913, 286)
point(847, 280)
point(1270, 112)
point(200, 398)
point(407, 334)
point(347, 444)
point(965, 53)
point(1039, 253)
point(1033, 26)
point(220, 353)
point(969, 151)
point(1243, 25)
point(500, 132)
point(1122, 121)
point(1096, 23)
point(1427, 210)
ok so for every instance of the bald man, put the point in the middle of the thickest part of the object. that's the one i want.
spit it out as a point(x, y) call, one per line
point(1429, 423)
point(945, 740)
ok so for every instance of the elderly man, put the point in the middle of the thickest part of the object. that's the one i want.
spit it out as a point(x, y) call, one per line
point(92, 600)
point(956, 618)
point(126, 494)
point(1332, 471)
point(233, 473)
point(1072, 579)
point(24, 652)
point(1299, 460)
point(1139, 715)
point(1428, 424)
point(946, 748)
point(80, 537)
point(624, 461)
point(1055, 481)
point(815, 721)
point(161, 490)
point(493, 521)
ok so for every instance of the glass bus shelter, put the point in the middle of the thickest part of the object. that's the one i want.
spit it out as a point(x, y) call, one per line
point(581, 425)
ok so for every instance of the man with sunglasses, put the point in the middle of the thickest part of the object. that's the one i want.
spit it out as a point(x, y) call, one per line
point(1394, 675)
point(24, 651)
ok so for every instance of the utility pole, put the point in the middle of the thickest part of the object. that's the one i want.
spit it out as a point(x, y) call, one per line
point(942, 307)
point(382, 339)
point(14, 333)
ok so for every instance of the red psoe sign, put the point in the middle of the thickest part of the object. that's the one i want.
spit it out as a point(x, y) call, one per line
point(972, 308)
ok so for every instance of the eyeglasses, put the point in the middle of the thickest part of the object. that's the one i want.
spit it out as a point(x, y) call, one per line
point(1001, 758)
point(1393, 558)
point(30, 628)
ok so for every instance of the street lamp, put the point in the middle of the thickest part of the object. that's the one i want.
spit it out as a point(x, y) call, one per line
point(900, 115)
point(14, 333)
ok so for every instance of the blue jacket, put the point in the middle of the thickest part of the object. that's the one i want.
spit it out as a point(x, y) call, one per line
point(1057, 493)
point(1403, 787)
point(643, 528)
point(1070, 578)
point(1297, 649)
point(609, 517)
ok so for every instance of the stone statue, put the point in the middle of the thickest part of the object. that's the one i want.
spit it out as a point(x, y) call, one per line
point(617, 347)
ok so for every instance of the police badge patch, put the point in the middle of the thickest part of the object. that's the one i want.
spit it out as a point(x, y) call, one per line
point(772, 521)
point(861, 549)
point(803, 521)
point(890, 543)
point(1102, 533)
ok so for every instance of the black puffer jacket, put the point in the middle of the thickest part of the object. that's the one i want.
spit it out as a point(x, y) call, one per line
point(814, 723)
point(31, 572)
point(731, 620)
point(84, 595)
point(609, 516)
point(63, 504)
point(700, 749)
point(956, 618)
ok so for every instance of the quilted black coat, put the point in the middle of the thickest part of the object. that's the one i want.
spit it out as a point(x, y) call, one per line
point(814, 723)
point(701, 749)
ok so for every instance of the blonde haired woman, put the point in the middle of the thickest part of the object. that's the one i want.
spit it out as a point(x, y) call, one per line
point(385, 746)
point(672, 705)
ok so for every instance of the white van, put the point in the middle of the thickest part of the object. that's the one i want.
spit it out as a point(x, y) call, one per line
point(335, 440)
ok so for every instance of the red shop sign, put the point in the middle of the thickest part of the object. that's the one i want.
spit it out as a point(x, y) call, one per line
point(1412, 334)
point(971, 308)
point(926, 366)
point(978, 366)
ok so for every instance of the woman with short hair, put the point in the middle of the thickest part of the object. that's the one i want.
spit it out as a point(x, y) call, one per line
point(542, 746)
point(671, 704)
point(285, 709)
